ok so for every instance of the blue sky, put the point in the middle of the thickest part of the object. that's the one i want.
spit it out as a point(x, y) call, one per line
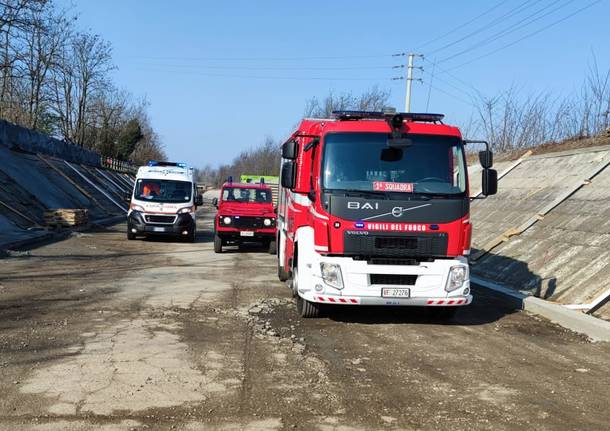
point(221, 76)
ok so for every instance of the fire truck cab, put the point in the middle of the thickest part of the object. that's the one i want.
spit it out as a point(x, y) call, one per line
point(245, 214)
point(374, 210)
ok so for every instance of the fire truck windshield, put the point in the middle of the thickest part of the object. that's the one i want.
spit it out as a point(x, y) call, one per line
point(168, 191)
point(246, 195)
point(428, 164)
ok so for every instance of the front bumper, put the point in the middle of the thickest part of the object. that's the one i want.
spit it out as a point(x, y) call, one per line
point(359, 288)
point(232, 234)
point(183, 223)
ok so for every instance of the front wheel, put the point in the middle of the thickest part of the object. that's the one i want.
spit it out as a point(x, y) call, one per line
point(130, 234)
point(190, 237)
point(217, 244)
point(307, 309)
point(272, 247)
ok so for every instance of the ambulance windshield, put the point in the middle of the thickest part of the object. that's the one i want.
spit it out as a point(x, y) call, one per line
point(170, 191)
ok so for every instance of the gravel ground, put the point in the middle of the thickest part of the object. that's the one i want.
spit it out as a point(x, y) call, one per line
point(100, 332)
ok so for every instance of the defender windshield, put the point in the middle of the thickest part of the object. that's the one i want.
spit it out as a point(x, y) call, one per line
point(245, 195)
point(427, 164)
point(168, 191)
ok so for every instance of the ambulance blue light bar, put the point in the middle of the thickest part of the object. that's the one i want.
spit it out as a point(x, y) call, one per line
point(381, 115)
point(157, 163)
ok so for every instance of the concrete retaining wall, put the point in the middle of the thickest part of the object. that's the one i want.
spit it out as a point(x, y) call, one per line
point(32, 181)
point(22, 139)
point(565, 255)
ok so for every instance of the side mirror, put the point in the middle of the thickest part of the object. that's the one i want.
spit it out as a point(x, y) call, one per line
point(489, 182)
point(288, 175)
point(198, 200)
point(215, 202)
point(486, 158)
point(290, 150)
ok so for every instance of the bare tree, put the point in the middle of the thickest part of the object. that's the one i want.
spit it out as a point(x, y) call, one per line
point(373, 99)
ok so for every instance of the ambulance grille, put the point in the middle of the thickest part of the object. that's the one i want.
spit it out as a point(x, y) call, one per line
point(168, 219)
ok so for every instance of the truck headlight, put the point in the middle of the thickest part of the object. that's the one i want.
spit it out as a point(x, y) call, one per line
point(267, 222)
point(331, 274)
point(185, 210)
point(226, 220)
point(457, 276)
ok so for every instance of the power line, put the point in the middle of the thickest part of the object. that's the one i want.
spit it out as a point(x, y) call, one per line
point(267, 77)
point(459, 27)
point(527, 36)
point(513, 28)
point(254, 68)
point(523, 6)
point(330, 57)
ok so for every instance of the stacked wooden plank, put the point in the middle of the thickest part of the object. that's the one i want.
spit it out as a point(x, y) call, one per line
point(66, 217)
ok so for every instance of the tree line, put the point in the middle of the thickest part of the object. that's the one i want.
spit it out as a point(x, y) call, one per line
point(55, 79)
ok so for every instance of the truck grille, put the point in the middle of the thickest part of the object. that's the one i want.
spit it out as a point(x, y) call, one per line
point(165, 219)
point(388, 244)
point(248, 222)
point(394, 279)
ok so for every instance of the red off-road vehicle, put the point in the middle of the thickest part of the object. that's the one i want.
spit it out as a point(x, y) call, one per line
point(245, 214)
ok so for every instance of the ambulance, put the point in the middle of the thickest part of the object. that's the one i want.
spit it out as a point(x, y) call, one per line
point(164, 202)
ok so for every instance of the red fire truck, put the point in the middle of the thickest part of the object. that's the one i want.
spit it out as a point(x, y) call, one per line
point(374, 210)
point(245, 214)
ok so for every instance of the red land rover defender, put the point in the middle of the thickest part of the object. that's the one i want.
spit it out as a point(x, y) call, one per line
point(245, 214)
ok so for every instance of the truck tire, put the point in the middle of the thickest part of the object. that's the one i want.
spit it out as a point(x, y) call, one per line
point(272, 247)
point(281, 274)
point(130, 234)
point(191, 237)
point(305, 308)
point(217, 244)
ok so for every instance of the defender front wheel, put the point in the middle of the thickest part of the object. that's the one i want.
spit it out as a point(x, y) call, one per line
point(307, 309)
point(217, 244)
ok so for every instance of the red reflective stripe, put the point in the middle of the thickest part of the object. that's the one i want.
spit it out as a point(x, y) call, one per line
point(460, 301)
point(343, 300)
point(354, 301)
point(450, 302)
point(430, 301)
point(320, 298)
point(442, 301)
point(331, 299)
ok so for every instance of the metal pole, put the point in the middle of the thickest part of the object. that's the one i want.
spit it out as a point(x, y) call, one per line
point(409, 82)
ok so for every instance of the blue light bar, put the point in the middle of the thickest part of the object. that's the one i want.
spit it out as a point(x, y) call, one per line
point(157, 163)
point(409, 116)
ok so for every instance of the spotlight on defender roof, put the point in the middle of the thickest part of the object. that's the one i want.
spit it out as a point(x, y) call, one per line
point(397, 120)
point(230, 179)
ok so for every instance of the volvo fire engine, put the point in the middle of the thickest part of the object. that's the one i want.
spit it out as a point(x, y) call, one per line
point(245, 214)
point(374, 210)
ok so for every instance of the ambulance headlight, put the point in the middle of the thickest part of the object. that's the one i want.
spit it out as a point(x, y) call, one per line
point(226, 220)
point(137, 208)
point(185, 210)
point(457, 277)
point(331, 274)
point(267, 222)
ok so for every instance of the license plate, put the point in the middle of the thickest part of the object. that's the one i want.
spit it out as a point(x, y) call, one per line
point(246, 233)
point(158, 229)
point(395, 292)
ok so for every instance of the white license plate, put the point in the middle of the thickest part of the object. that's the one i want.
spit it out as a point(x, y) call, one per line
point(158, 229)
point(395, 292)
point(246, 233)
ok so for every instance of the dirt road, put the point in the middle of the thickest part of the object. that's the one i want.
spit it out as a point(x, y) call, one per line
point(98, 332)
